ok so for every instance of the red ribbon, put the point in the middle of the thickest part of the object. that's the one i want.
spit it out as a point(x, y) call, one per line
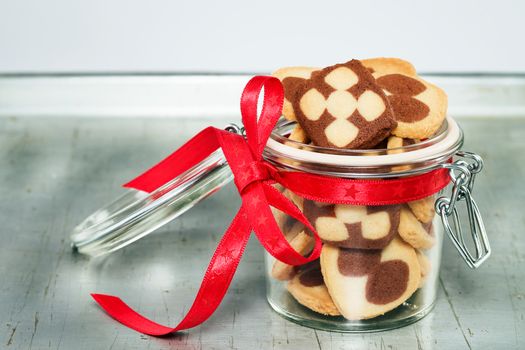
point(254, 178)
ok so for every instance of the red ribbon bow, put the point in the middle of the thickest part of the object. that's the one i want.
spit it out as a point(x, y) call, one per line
point(254, 177)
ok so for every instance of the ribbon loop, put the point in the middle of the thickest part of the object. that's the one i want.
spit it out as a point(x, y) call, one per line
point(258, 130)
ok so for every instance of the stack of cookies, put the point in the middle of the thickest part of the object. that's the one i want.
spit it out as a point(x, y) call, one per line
point(373, 257)
point(358, 104)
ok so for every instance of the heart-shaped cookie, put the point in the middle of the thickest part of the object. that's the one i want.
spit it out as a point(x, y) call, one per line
point(419, 107)
point(367, 283)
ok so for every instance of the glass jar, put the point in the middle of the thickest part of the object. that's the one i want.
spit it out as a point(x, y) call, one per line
point(379, 265)
point(391, 254)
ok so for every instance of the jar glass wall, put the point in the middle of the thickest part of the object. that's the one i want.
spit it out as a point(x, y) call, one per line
point(379, 265)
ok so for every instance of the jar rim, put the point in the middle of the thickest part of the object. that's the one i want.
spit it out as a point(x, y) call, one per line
point(432, 151)
point(280, 135)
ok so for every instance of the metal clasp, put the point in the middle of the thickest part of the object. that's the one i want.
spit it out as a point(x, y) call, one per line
point(463, 173)
point(236, 129)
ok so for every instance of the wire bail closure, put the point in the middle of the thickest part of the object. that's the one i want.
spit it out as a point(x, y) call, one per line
point(463, 173)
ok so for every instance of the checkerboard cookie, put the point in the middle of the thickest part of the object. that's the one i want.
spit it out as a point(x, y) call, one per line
point(351, 226)
point(354, 226)
point(341, 106)
point(368, 283)
point(308, 288)
point(291, 78)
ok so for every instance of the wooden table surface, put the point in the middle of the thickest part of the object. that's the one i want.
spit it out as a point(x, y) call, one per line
point(56, 171)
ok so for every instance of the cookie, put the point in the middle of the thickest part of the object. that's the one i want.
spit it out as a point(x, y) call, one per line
point(423, 209)
point(299, 135)
point(424, 266)
point(301, 242)
point(380, 147)
point(388, 65)
point(341, 106)
point(353, 226)
point(394, 146)
point(419, 107)
point(414, 232)
point(291, 77)
point(368, 283)
point(308, 288)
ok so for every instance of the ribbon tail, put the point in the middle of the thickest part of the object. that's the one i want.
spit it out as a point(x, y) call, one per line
point(120, 311)
point(258, 200)
point(217, 279)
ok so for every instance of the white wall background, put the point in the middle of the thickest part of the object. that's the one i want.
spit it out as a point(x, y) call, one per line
point(257, 36)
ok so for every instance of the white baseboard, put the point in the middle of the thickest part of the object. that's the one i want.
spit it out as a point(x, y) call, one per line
point(210, 96)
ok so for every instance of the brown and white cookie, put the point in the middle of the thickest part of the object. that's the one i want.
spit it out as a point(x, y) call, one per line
point(301, 242)
point(291, 78)
point(424, 209)
point(353, 226)
point(419, 106)
point(424, 265)
point(368, 283)
point(308, 288)
point(417, 234)
point(341, 106)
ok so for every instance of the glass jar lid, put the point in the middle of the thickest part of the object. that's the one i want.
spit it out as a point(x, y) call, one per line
point(135, 214)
